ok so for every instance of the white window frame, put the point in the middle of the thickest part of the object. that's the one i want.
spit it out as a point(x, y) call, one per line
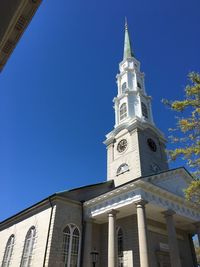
point(123, 111)
point(8, 251)
point(144, 110)
point(122, 168)
point(28, 247)
point(124, 86)
point(72, 228)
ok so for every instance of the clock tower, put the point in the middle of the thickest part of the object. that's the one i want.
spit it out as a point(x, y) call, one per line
point(135, 147)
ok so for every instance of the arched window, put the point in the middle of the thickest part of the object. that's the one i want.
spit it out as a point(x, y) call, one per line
point(122, 168)
point(139, 85)
point(8, 251)
point(71, 246)
point(120, 248)
point(123, 111)
point(28, 247)
point(144, 110)
point(66, 243)
point(124, 87)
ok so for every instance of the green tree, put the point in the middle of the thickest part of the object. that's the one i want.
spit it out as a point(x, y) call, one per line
point(186, 134)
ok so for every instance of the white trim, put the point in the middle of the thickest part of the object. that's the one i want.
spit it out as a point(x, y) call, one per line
point(8, 250)
point(29, 254)
point(72, 227)
point(131, 192)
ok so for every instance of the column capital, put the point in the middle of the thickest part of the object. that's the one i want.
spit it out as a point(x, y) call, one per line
point(140, 203)
point(168, 213)
point(112, 212)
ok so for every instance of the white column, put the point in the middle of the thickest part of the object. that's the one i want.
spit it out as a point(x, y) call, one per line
point(197, 225)
point(87, 243)
point(193, 253)
point(112, 248)
point(142, 233)
point(172, 239)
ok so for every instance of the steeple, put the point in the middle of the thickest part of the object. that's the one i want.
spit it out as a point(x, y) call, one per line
point(135, 147)
point(127, 43)
point(131, 102)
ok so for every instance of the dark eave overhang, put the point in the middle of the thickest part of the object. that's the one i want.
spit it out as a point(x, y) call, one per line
point(15, 16)
point(37, 207)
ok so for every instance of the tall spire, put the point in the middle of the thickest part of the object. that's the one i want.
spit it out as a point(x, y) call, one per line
point(127, 43)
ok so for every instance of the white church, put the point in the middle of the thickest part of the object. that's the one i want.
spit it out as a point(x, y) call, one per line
point(137, 218)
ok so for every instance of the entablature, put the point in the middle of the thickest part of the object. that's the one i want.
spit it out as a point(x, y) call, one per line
point(128, 194)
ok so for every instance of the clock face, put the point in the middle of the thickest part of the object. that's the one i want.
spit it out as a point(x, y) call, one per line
point(122, 145)
point(152, 144)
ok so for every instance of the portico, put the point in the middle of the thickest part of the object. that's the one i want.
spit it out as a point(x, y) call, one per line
point(157, 212)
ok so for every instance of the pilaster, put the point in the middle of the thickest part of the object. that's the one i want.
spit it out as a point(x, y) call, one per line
point(87, 242)
point(172, 239)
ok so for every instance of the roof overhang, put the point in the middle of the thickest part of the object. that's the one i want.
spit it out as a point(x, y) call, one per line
point(44, 204)
point(15, 16)
point(159, 200)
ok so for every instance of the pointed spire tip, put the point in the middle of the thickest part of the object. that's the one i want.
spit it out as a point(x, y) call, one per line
point(127, 43)
point(126, 23)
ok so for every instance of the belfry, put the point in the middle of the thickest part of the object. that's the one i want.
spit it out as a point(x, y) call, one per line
point(135, 147)
point(138, 217)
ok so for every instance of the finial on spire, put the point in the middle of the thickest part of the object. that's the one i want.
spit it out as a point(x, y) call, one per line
point(127, 42)
point(126, 24)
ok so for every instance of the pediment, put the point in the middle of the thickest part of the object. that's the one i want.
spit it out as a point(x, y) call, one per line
point(173, 181)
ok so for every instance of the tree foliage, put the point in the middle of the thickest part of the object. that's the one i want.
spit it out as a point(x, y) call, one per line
point(193, 192)
point(186, 134)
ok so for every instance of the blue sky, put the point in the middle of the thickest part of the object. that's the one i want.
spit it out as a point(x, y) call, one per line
point(57, 88)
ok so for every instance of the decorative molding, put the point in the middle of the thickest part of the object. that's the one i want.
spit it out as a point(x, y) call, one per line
point(140, 203)
point(168, 174)
point(130, 125)
point(112, 212)
point(141, 189)
point(15, 28)
point(168, 213)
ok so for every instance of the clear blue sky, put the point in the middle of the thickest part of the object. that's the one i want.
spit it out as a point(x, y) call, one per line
point(57, 88)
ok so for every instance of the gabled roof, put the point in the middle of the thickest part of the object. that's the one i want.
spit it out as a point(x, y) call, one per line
point(87, 192)
point(76, 195)
point(181, 171)
point(93, 191)
point(174, 181)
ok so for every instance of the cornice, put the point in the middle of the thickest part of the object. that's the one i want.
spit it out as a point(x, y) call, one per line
point(127, 92)
point(142, 189)
point(131, 59)
point(20, 19)
point(166, 175)
point(131, 125)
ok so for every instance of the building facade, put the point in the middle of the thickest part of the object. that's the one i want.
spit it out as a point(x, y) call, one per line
point(137, 218)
